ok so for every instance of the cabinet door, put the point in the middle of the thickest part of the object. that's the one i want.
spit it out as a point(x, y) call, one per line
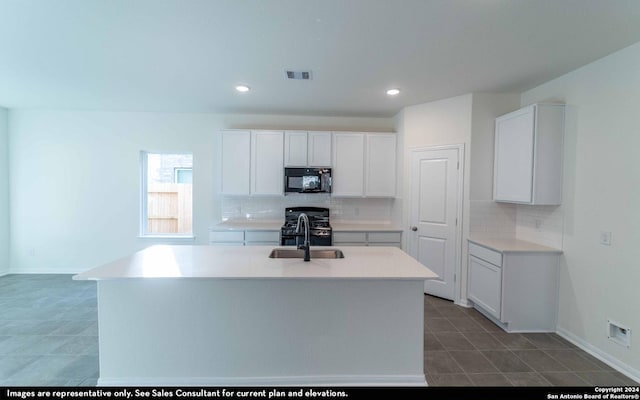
point(513, 167)
point(267, 174)
point(236, 161)
point(485, 285)
point(381, 165)
point(319, 149)
point(295, 149)
point(348, 165)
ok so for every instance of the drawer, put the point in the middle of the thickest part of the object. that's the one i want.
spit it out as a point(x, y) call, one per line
point(398, 245)
point(226, 244)
point(494, 257)
point(226, 236)
point(385, 237)
point(350, 237)
point(262, 236)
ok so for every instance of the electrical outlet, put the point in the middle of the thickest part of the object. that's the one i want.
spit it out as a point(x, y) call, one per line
point(605, 238)
point(618, 333)
point(538, 222)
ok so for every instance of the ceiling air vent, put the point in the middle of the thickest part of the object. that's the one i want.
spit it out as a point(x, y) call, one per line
point(301, 75)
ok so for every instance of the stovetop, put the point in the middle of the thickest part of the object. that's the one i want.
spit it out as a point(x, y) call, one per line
point(318, 220)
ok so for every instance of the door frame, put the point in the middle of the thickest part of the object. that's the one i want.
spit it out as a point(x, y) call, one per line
point(459, 207)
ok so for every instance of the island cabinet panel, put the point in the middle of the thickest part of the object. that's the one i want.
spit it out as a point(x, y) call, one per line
point(237, 332)
point(236, 162)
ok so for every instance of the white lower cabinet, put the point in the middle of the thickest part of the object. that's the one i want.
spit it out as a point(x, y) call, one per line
point(244, 238)
point(375, 238)
point(517, 290)
point(485, 285)
point(262, 238)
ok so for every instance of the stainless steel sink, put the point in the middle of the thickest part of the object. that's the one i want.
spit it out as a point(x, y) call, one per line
point(295, 253)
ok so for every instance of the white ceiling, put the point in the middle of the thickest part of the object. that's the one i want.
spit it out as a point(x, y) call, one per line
point(187, 55)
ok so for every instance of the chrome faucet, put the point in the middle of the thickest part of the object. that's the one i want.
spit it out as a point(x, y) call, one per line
point(306, 245)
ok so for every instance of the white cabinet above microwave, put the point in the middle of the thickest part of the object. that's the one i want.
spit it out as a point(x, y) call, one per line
point(307, 149)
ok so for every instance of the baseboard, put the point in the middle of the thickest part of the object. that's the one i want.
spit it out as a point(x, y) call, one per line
point(613, 362)
point(338, 380)
point(463, 303)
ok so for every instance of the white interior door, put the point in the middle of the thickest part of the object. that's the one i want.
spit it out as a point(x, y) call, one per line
point(435, 200)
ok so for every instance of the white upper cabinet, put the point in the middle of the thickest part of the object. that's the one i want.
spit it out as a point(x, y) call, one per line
point(347, 175)
point(236, 161)
point(295, 149)
point(381, 165)
point(319, 149)
point(364, 165)
point(267, 175)
point(528, 155)
point(307, 149)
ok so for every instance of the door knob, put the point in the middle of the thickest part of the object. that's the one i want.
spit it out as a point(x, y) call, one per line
point(414, 228)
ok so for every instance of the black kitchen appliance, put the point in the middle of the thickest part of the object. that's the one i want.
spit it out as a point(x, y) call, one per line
point(307, 180)
point(319, 228)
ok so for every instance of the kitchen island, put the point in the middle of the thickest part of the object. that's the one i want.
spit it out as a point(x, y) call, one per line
point(208, 315)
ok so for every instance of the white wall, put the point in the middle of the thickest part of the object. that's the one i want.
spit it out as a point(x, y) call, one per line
point(437, 123)
point(74, 186)
point(4, 192)
point(468, 120)
point(601, 193)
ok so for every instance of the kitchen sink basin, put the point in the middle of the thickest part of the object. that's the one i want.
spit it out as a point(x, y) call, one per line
point(295, 253)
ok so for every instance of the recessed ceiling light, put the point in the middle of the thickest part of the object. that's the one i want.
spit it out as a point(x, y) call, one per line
point(393, 92)
point(243, 88)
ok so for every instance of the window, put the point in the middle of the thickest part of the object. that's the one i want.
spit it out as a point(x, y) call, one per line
point(166, 194)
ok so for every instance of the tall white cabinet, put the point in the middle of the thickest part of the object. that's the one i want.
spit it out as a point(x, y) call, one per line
point(236, 163)
point(364, 164)
point(380, 171)
point(528, 155)
point(266, 163)
point(347, 174)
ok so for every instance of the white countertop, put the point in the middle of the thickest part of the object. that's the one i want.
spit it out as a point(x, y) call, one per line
point(252, 262)
point(273, 225)
point(512, 245)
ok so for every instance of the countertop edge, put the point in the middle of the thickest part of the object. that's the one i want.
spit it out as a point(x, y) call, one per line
point(535, 248)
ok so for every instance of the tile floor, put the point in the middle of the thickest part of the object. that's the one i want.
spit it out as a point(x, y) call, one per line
point(48, 336)
point(463, 348)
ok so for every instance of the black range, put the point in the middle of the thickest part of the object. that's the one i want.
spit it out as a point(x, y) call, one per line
point(320, 230)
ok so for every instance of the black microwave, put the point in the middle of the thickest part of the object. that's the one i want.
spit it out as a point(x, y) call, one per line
point(307, 180)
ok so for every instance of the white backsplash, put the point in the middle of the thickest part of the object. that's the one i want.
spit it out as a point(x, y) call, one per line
point(540, 224)
point(342, 209)
point(491, 219)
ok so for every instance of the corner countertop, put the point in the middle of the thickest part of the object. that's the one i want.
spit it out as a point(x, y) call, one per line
point(253, 262)
point(512, 245)
point(273, 225)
